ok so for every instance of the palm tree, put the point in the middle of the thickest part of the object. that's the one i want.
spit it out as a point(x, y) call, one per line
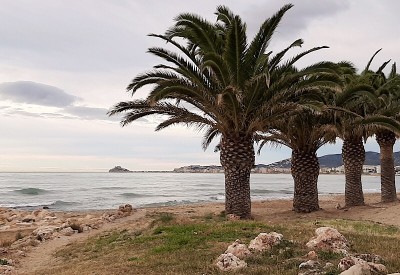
point(351, 129)
point(361, 97)
point(305, 131)
point(388, 92)
point(225, 86)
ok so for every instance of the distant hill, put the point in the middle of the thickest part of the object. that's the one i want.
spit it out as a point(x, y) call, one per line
point(329, 161)
point(335, 160)
point(119, 169)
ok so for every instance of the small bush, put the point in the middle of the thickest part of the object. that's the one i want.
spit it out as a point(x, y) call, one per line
point(166, 217)
point(3, 262)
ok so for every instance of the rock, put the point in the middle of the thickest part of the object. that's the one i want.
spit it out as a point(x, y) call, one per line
point(20, 253)
point(233, 217)
point(45, 232)
point(28, 218)
point(110, 217)
point(7, 269)
point(373, 258)
point(329, 239)
point(50, 218)
point(358, 269)
point(310, 264)
point(230, 262)
point(27, 224)
point(312, 255)
point(265, 241)
point(23, 243)
point(11, 217)
point(68, 231)
point(119, 169)
point(126, 208)
point(347, 262)
point(5, 227)
point(310, 268)
point(328, 265)
point(238, 249)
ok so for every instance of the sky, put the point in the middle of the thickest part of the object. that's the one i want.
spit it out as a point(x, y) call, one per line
point(64, 64)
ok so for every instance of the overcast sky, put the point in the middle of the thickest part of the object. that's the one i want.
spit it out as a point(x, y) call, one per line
point(63, 64)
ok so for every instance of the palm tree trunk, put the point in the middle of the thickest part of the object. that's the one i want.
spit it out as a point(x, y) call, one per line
point(237, 157)
point(386, 140)
point(353, 155)
point(305, 172)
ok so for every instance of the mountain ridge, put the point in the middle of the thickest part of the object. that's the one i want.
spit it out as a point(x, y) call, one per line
point(326, 161)
point(335, 160)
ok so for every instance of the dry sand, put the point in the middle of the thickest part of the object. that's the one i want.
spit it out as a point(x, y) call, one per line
point(271, 211)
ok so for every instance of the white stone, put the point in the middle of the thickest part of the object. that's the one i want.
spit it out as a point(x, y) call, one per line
point(45, 232)
point(310, 264)
point(349, 261)
point(330, 239)
point(238, 249)
point(230, 262)
point(358, 269)
point(265, 241)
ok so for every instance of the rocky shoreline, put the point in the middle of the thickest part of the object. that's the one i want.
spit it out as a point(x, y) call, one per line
point(20, 231)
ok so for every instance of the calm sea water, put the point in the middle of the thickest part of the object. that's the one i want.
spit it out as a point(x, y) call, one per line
point(84, 191)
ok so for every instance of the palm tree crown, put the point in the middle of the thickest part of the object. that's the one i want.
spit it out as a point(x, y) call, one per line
point(224, 85)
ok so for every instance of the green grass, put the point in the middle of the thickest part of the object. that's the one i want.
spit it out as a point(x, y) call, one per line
point(169, 246)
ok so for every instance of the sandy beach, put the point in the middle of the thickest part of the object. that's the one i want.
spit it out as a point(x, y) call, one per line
point(27, 259)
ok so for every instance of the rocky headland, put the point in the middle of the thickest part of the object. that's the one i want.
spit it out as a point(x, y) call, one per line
point(119, 169)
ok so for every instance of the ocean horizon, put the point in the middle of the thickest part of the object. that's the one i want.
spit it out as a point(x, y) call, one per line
point(79, 191)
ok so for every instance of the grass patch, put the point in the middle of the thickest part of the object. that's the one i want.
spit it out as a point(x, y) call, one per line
point(169, 246)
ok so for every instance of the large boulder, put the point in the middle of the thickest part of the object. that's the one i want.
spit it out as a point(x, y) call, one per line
point(238, 249)
point(228, 261)
point(265, 241)
point(329, 239)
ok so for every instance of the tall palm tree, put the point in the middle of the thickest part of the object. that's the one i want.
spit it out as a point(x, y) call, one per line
point(388, 92)
point(227, 87)
point(305, 131)
point(356, 129)
point(352, 130)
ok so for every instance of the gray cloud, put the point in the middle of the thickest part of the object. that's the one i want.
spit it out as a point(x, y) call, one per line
point(297, 18)
point(89, 113)
point(35, 93)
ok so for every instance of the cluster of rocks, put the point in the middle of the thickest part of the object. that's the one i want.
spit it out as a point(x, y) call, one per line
point(46, 225)
point(234, 256)
point(329, 239)
point(326, 239)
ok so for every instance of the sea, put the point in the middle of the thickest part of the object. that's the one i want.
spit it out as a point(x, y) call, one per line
point(96, 191)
